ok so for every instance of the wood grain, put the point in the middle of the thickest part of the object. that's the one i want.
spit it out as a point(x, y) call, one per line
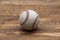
point(48, 28)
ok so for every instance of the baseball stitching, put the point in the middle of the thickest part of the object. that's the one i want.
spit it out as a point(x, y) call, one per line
point(26, 18)
point(34, 22)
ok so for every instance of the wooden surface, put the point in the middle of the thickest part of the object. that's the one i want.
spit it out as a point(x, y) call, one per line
point(48, 28)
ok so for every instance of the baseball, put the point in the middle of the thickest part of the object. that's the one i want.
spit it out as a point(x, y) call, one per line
point(29, 20)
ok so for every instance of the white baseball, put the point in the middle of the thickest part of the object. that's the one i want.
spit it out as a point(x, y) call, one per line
point(29, 20)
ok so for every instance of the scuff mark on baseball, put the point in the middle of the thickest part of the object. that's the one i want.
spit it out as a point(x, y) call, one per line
point(29, 20)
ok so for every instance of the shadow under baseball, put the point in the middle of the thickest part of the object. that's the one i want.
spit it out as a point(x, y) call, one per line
point(28, 31)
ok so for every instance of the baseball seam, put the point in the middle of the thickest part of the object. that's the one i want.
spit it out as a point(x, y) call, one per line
point(34, 22)
point(26, 18)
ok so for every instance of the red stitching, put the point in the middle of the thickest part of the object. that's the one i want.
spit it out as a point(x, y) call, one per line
point(34, 22)
point(26, 18)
